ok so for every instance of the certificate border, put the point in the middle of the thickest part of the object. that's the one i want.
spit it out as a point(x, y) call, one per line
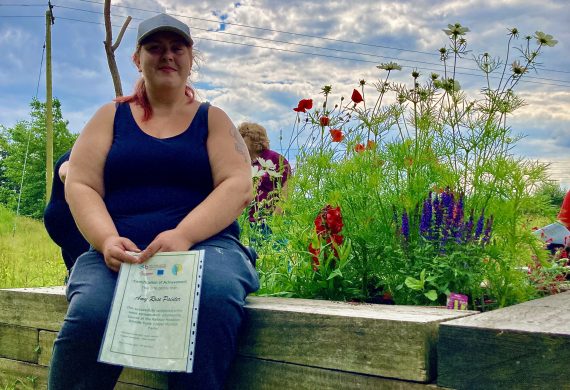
point(192, 313)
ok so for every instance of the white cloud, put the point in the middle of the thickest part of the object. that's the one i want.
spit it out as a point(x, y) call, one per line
point(252, 83)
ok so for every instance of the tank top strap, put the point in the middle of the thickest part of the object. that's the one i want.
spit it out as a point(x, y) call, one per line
point(200, 121)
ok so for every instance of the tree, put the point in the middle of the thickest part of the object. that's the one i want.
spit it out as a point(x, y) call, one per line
point(110, 47)
point(15, 152)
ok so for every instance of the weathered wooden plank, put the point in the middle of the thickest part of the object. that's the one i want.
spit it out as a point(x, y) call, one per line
point(19, 343)
point(382, 340)
point(129, 386)
point(257, 374)
point(22, 375)
point(47, 339)
point(41, 308)
point(151, 379)
point(522, 346)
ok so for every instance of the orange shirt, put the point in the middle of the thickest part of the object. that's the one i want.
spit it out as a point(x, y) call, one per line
point(564, 215)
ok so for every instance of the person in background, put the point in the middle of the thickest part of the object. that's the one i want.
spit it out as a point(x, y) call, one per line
point(58, 220)
point(272, 185)
point(157, 171)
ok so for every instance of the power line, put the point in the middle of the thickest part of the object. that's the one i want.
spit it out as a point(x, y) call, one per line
point(334, 57)
point(28, 146)
point(292, 33)
point(318, 47)
point(22, 5)
point(525, 80)
point(304, 35)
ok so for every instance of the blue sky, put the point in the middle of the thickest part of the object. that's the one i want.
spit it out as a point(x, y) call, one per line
point(239, 73)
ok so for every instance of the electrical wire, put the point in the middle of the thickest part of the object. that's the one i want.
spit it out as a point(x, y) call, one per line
point(290, 32)
point(525, 80)
point(27, 148)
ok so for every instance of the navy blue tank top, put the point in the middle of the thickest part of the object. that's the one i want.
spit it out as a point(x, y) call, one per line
point(151, 184)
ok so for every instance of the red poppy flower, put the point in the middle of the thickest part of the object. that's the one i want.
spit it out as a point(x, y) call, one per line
point(336, 135)
point(304, 104)
point(315, 256)
point(408, 161)
point(334, 219)
point(359, 148)
point(370, 144)
point(324, 120)
point(319, 225)
point(356, 97)
point(336, 238)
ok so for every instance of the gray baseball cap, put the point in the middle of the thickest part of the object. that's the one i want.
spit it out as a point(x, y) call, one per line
point(163, 22)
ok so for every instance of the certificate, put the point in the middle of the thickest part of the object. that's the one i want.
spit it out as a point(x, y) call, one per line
point(153, 318)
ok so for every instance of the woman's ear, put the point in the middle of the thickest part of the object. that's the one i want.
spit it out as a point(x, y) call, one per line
point(137, 61)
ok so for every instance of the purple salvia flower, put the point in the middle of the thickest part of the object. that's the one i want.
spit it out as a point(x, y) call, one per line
point(458, 218)
point(443, 240)
point(405, 225)
point(479, 227)
point(438, 208)
point(468, 228)
point(425, 222)
point(446, 198)
point(487, 232)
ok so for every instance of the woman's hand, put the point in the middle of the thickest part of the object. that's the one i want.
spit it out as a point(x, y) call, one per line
point(115, 250)
point(168, 241)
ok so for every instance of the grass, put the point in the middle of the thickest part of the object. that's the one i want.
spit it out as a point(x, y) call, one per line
point(28, 257)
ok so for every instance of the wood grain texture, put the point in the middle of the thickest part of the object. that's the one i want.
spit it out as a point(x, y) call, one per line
point(388, 341)
point(256, 374)
point(525, 346)
point(41, 308)
point(380, 340)
point(46, 341)
point(19, 343)
point(22, 375)
point(150, 379)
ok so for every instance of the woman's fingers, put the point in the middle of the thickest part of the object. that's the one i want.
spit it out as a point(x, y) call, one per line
point(167, 241)
point(150, 250)
point(116, 251)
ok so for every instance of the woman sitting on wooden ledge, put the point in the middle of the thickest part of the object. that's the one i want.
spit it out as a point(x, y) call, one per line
point(157, 171)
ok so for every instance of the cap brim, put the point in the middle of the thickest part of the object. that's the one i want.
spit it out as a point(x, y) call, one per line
point(175, 30)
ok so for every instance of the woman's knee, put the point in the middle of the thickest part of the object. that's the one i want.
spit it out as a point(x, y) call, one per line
point(90, 293)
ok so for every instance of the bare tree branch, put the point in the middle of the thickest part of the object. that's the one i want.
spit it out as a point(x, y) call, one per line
point(110, 47)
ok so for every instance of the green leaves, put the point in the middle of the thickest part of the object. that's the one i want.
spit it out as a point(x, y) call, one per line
point(420, 285)
point(26, 142)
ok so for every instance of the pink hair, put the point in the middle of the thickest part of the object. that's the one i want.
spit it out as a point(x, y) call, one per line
point(140, 97)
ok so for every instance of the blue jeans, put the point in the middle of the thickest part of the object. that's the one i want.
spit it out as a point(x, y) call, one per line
point(228, 277)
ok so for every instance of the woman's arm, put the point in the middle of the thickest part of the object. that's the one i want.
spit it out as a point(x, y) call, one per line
point(84, 189)
point(233, 191)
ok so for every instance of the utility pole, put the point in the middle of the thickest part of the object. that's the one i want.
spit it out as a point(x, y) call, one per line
point(49, 115)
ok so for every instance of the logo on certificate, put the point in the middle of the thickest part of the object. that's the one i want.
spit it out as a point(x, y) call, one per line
point(176, 269)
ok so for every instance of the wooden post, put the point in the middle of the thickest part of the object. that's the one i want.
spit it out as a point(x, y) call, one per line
point(49, 115)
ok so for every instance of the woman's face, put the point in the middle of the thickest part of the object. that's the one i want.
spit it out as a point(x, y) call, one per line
point(165, 60)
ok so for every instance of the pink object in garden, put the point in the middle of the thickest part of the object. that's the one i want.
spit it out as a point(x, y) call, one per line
point(457, 301)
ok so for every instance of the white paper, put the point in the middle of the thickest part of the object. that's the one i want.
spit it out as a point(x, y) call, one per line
point(153, 319)
point(555, 233)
